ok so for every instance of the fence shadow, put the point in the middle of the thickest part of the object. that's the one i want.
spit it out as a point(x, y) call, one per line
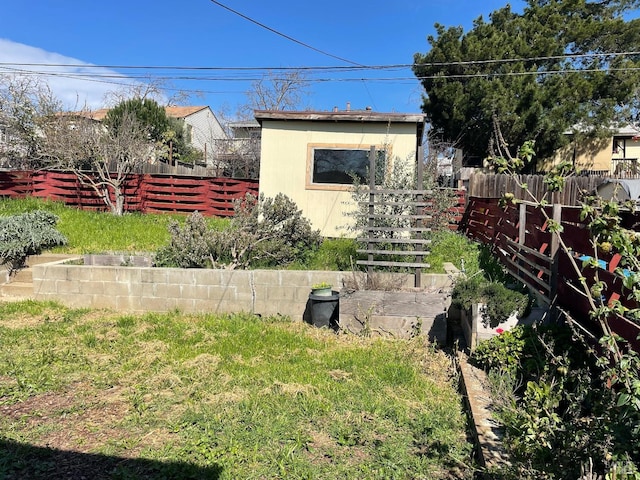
point(23, 461)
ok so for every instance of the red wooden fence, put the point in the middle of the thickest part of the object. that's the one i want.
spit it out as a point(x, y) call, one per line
point(519, 236)
point(147, 193)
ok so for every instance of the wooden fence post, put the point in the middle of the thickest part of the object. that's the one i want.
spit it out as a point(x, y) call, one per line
point(419, 198)
point(372, 196)
point(553, 254)
point(522, 223)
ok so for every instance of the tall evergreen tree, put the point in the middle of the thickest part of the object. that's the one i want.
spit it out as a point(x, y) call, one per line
point(534, 75)
point(169, 133)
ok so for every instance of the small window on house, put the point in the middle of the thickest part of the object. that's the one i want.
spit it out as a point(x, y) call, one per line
point(339, 166)
point(617, 146)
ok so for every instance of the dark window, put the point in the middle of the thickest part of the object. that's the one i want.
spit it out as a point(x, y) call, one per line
point(338, 165)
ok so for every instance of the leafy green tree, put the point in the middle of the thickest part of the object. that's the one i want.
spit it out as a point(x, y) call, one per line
point(533, 75)
point(168, 133)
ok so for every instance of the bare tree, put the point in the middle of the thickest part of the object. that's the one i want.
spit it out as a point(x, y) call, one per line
point(285, 91)
point(25, 103)
point(152, 89)
point(99, 157)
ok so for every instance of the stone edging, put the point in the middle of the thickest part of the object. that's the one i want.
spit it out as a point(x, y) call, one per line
point(488, 434)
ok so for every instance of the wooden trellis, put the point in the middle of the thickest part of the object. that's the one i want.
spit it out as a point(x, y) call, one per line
point(388, 241)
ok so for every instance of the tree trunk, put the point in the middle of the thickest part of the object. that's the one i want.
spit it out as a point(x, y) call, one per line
point(118, 207)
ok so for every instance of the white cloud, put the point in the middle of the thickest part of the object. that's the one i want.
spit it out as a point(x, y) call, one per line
point(76, 86)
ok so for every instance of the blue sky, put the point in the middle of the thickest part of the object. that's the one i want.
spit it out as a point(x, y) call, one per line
point(200, 33)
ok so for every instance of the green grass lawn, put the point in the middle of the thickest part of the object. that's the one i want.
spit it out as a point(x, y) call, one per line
point(100, 232)
point(228, 397)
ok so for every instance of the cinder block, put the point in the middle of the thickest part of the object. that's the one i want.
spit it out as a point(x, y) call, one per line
point(91, 288)
point(171, 290)
point(132, 304)
point(73, 300)
point(220, 292)
point(67, 286)
point(80, 273)
point(51, 272)
point(296, 279)
point(44, 286)
point(183, 276)
point(277, 294)
point(117, 289)
point(153, 275)
point(236, 277)
point(126, 274)
point(267, 277)
point(205, 306)
point(104, 301)
point(195, 292)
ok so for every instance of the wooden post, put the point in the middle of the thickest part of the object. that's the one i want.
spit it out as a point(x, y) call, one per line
point(554, 254)
point(522, 224)
point(372, 195)
point(419, 198)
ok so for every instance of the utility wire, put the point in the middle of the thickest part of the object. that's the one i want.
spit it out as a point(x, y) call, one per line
point(336, 68)
point(262, 25)
point(443, 76)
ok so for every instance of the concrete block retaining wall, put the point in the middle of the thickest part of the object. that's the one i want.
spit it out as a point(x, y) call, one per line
point(142, 289)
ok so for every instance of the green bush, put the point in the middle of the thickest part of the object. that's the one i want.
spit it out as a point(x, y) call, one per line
point(27, 234)
point(502, 352)
point(264, 232)
point(500, 302)
point(555, 410)
point(333, 254)
point(190, 245)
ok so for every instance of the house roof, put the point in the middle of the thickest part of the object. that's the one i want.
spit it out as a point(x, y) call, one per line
point(244, 124)
point(182, 112)
point(628, 130)
point(339, 116)
point(343, 116)
point(175, 112)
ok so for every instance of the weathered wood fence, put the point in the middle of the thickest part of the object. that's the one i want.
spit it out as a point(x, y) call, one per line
point(495, 185)
point(519, 237)
point(146, 193)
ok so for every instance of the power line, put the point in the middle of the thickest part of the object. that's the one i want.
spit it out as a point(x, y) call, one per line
point(262, 25)
point(355, 66)
point(89, 76)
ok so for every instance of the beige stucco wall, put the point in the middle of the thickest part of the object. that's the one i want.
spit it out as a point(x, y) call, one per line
point(595, 154)
point(284, 164)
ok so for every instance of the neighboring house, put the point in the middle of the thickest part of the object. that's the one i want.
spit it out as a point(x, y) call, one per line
point(615, 156)
point(310, 157)
point(204, 131)
point(239, 155)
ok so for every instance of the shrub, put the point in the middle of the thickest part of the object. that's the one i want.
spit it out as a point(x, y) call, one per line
point(190, 246)
point(333, 254)
point(557, 415)
point(502, 352)
point(264, 232)
point(27, 234)
point(500, 302)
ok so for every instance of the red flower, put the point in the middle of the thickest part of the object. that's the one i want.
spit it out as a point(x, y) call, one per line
point(499, 331)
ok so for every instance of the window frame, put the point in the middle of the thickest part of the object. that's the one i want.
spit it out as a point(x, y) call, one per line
point(311, 147)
